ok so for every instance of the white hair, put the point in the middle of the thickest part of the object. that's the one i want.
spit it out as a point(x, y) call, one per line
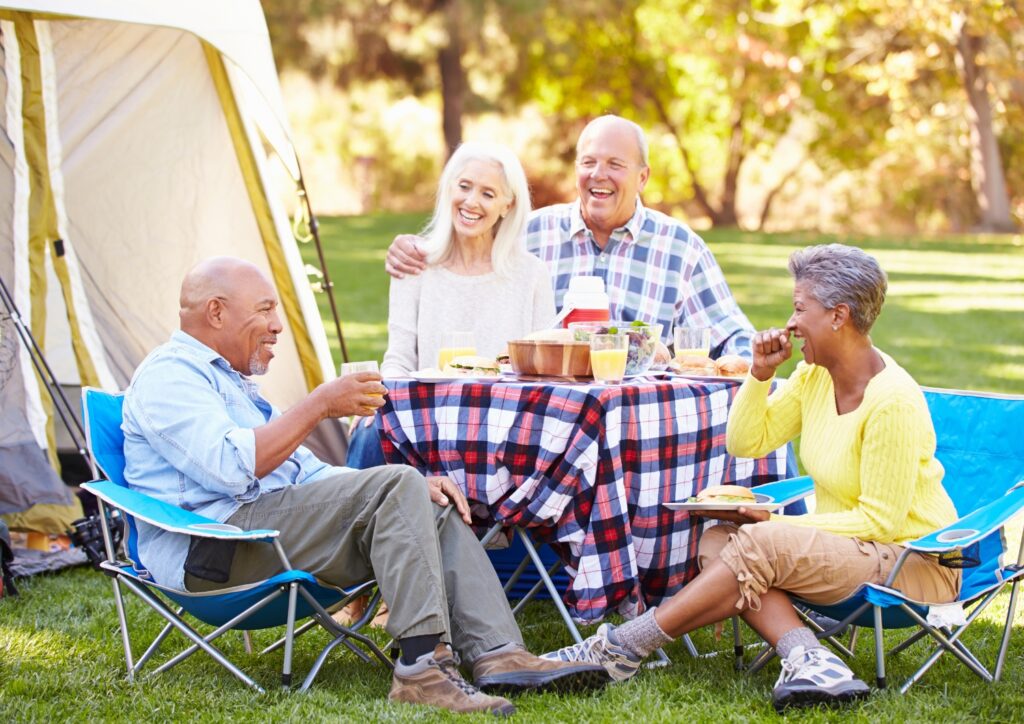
point(509, 232)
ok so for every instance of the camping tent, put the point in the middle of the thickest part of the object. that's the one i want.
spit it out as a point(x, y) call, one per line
point(139, 136)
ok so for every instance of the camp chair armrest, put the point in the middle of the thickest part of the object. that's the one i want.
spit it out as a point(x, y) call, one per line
point(170, 517)
point(973, 526)
point(786, 491)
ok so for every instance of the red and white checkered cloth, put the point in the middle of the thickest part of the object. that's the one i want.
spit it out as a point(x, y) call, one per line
point(586, 467)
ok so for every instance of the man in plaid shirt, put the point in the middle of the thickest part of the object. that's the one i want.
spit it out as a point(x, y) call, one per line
point(655, 269)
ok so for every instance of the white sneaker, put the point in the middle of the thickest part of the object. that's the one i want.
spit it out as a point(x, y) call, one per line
point(618, 661)
point(815, 676)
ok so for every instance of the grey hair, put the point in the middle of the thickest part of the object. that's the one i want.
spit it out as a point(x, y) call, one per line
point(641, 138)
point(509, 233)
point(839, 274)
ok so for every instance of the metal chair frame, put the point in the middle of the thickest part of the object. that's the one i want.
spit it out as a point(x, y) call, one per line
point(124, 572)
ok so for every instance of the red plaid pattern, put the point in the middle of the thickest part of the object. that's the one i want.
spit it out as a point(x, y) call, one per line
point(586, 466)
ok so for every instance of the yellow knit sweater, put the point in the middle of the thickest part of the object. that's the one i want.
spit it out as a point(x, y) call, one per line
point(874, 468)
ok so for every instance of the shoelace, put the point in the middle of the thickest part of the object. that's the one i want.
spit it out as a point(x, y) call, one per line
point(813, 657)
point(449, 667)
point(578, 652)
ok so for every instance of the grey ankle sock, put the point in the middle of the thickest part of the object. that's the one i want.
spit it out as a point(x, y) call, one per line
point(799, 636)
point(642, 635)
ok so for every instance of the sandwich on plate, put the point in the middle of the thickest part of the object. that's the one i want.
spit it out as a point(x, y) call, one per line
point(471, 365)
point(731, 494)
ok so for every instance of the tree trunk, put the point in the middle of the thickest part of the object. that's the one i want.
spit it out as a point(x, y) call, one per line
point(700, 195)
point(727, 215)
point(453, 77)
point(987, 175)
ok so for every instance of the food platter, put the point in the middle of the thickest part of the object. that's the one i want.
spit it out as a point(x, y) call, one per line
point(763, 502)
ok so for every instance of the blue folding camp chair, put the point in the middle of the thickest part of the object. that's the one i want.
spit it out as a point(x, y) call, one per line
point(280, 600)
point(979, 446)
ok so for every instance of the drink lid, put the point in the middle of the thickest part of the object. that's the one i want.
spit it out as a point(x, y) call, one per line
point(586, 285)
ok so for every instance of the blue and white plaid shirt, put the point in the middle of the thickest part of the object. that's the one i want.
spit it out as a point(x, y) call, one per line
point(655, 269)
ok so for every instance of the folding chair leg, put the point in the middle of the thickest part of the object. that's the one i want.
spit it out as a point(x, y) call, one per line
point(157, 605)
point(125, 638)
point(879, 649)
point(737, 644)
point(910, 641)
point(155, 646)
point(1007, 629)
point(289, 636)
point(531, 550)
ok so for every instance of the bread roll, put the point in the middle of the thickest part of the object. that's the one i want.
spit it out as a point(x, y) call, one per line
point(732, 365)
point(695, 364)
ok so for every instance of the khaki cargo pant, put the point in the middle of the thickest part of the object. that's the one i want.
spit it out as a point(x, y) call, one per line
point(819, 567)
point(380, 523)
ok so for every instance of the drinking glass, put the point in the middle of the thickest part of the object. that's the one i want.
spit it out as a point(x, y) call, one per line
point(350, 368)
point(608, 357)
point(454, 344)
point(692, 341)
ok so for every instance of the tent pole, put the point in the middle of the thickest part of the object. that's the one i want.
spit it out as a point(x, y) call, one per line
point(314, 229)
point(60, 400)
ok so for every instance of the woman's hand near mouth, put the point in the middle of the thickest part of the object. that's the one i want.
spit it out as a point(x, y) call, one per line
point(771, 348)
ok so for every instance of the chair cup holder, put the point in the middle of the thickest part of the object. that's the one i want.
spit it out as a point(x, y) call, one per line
point(952, 536)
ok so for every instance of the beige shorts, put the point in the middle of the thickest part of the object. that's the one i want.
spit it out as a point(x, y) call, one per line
point(819, 567)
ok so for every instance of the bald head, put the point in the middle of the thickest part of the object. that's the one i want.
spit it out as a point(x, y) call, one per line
point(217, 277)
point(229, 305)
point(617, 125)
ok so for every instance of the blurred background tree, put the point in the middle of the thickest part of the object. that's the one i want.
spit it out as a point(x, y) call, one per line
point(768, 114)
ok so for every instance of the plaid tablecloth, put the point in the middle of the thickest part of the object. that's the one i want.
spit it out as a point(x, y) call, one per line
point(587, 467)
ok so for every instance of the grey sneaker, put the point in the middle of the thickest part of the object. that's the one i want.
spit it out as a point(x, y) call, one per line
point(434, 680)
point(815, 676)
point(601, 648)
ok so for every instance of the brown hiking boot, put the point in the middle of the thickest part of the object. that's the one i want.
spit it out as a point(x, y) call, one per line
point(435, 680)
point(512, 668)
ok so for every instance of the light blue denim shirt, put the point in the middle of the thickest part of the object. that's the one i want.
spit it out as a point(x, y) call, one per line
point(189, 440)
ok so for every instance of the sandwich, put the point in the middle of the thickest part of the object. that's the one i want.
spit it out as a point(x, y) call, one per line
point(471, 365)
point(695, 364)
point(731, 494)
point(732, 365)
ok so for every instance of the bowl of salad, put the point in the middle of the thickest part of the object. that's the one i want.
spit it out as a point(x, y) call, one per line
point(643, 340)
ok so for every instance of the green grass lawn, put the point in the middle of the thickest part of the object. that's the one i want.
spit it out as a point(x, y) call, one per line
point(954, 319)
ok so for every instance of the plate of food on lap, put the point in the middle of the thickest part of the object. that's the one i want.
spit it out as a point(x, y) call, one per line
point(725, 497)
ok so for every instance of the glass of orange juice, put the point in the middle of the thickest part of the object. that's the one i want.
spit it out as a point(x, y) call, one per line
point(350, 368)
point(454, 344)
point(608, 357)
point(692, 341)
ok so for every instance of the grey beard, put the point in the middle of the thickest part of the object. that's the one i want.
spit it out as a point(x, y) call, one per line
point(256, 365)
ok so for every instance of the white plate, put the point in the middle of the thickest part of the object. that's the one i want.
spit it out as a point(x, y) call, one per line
point(436, 376)
point(648, 373)
point(708, 378)
point(763, 503)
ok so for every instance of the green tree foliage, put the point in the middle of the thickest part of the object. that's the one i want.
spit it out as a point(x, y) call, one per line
point(875, 91)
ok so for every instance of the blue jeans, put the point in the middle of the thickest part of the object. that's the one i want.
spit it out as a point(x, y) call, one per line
point(364, 449)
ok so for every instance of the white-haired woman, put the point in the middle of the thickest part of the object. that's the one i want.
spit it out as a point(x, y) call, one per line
point(479, 279)
point(866, 438)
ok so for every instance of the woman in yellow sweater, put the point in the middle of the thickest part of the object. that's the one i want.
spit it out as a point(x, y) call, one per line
point(868, 442)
